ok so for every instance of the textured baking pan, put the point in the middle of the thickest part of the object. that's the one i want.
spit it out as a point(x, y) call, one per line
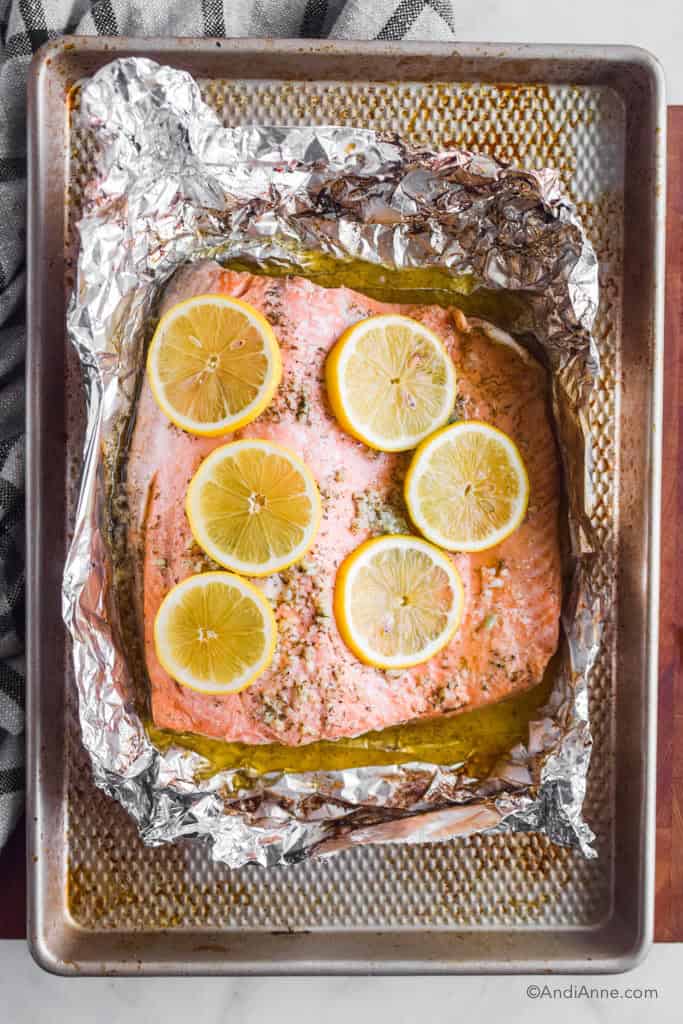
point(100, 902)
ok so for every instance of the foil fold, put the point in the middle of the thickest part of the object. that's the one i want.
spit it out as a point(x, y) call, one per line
point(174, 185)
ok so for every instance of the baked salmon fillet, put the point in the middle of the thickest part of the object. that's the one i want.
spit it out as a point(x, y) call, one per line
point(315, 688)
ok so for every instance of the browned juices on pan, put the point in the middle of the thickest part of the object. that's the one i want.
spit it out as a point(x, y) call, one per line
point(315, 688)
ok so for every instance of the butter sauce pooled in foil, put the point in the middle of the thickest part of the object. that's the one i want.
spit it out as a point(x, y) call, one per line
point(340, 206)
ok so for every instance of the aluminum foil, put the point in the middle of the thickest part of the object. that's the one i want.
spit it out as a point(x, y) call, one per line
point(173, 185)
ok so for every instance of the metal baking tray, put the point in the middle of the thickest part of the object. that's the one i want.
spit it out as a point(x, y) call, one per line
point(99, 901)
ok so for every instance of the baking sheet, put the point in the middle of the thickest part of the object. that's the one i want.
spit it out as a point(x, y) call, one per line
point(115, 887)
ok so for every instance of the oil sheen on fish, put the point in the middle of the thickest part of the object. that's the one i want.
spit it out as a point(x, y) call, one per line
point(315, 688)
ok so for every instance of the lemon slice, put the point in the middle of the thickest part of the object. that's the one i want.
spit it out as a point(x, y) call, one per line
point(398, 600)
point(390, 382)
point(213, 364)
point(215, 633)
point(254, 507)
point(467, 488)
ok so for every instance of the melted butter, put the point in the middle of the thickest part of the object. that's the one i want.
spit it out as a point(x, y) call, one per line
point(418, 285)
point(478, 737)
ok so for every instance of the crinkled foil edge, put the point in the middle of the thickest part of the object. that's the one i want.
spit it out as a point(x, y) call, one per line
point(173, 186)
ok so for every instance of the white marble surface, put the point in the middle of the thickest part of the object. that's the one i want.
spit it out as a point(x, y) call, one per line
point(655, 24)
point(29, 995)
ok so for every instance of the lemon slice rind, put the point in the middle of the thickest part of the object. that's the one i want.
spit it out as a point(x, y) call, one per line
point(420, 465)
point(163, 625)
point(266, 389)
point(344, 597)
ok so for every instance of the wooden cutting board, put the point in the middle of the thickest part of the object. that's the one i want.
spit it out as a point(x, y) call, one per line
point(669, 893)
point(669, 886)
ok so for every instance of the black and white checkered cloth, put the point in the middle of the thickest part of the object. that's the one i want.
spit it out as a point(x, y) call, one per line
point(24, 26)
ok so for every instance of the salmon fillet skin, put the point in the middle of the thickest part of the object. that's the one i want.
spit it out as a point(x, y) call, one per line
point(315, 687)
